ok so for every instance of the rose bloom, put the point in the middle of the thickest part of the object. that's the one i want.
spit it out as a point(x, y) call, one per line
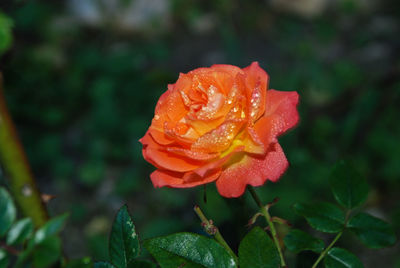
point(220, 124)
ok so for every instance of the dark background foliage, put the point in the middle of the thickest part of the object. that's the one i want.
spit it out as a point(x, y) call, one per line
point(82, 79)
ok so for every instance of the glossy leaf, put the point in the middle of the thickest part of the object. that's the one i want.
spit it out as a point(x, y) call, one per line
point(7, 211)
point(167, 259)
point(190, 250)
point(4, 259)
point(20, 231)
point(47, 252)
point(103, 264)
point(341, 258)
point(324, 217)
point(52, 227)
point(348, 186)
point(297, 241)
point(257, 250)
point(373, 232)
point(124, 242)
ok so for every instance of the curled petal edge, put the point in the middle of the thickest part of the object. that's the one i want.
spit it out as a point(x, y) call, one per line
point(251, 170)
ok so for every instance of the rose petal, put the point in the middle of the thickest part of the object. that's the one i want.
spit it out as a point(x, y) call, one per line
point(193, 154)
point(254, 74)
point(160, 137)
point(268, 128)
point(225, 76)
point(231, 69)
point(218, 139)
point(161, 178)
point(284, 104)
point(280, 115)
point(202, 127)
point(253, 171)
point(256, 81)
point(170, 107)
point(159, 157)
point(252, 142)
point(180, 132)
point(217, 164)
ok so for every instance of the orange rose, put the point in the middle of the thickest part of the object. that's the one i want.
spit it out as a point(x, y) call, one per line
point(220, 124)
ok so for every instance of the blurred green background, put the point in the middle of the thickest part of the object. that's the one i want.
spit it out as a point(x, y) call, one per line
point(82, 79)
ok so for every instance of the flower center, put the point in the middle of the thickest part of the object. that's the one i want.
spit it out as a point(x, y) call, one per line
point(203, 104)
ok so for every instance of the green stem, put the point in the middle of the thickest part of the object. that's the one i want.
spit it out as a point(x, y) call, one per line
point(265, 213)
point(213, 230)
point(13, 159)
point(323, 253)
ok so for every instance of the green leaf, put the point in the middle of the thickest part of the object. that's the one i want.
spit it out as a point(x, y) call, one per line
point(4, 259)
point(348, 186)
point(167, 259)
point(257, 250)
point(51, 227)
point(47, 252)
point(190, 250)
point(103, 264)
point(20, 231)
point(6, 25)
point(341, 258)
point(297, 241)
point(373, 232)
point(23, 257)
point(124, 242)
point(8, 212)
point(141, 264)
point(42, 240)
point(324, 217)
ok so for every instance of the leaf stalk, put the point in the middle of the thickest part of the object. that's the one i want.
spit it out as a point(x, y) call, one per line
point(265, 213)
point(211, 229)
